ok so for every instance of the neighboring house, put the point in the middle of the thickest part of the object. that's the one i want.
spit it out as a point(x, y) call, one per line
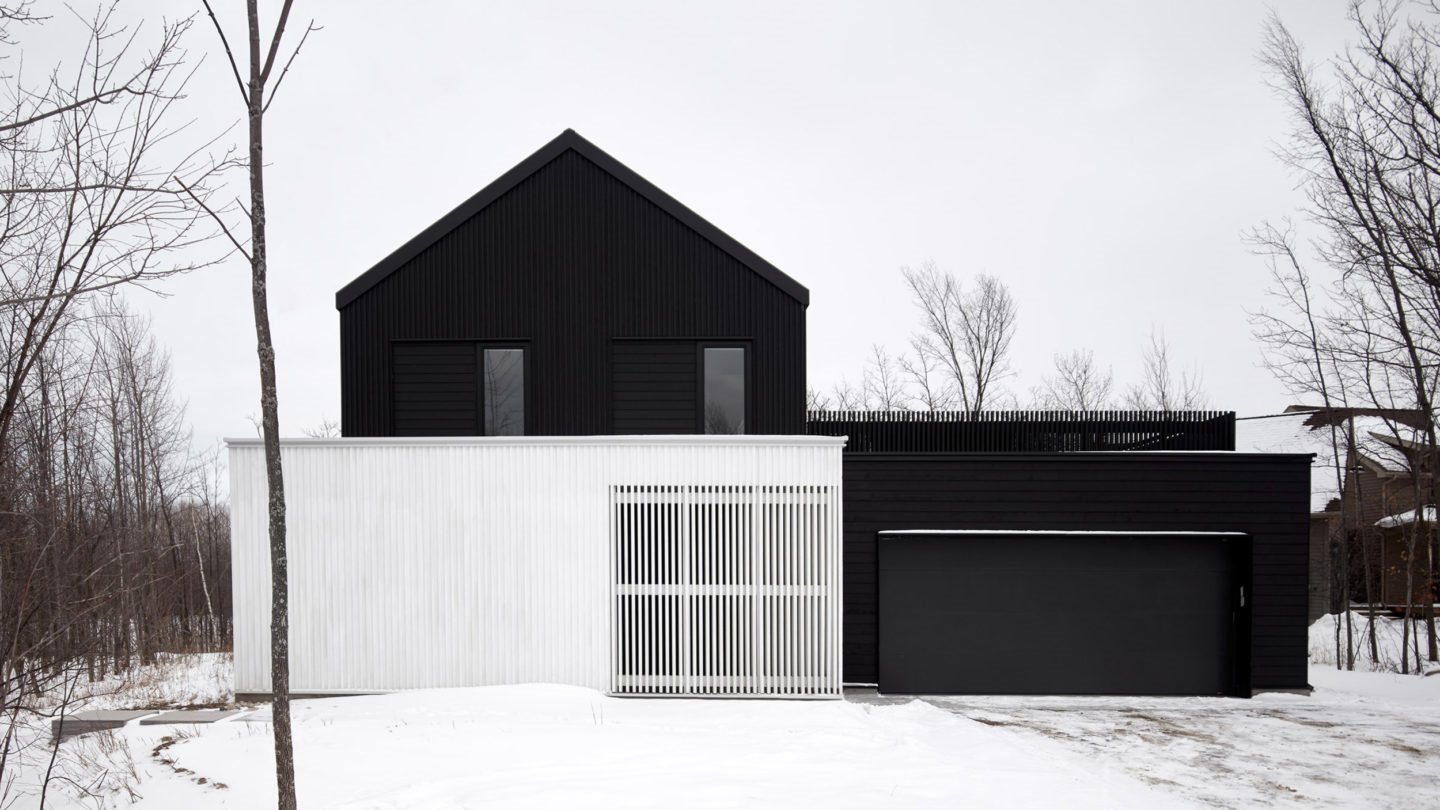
point(525, 491)
point(1400, 540)
point(1368, 506)
point(1380, 492)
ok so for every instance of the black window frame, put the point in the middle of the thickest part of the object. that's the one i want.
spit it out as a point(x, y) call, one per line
point(744, 344)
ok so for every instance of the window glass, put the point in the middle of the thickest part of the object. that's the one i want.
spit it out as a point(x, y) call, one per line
point(725, 390)
point(504, 392)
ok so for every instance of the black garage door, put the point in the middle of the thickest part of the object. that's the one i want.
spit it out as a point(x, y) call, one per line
point(1058, 613)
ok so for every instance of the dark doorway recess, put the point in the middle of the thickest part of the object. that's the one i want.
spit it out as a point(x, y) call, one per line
point(1075, 613)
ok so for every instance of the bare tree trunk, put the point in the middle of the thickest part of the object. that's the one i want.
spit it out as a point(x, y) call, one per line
point(1408, 622)
point(253, 90)
point(211, 624)
point(1433, 552)
point(270, 425)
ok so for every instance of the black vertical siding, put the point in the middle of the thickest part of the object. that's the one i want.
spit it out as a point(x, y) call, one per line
point(570, 260)
point(1264, 496)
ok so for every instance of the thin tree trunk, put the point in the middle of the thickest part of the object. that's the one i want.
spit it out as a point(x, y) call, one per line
point(270, 427)
point(1433, 552)
point(204, 582)
point(1364, 537)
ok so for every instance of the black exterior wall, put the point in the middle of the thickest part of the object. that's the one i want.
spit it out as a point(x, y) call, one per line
point(1263, 496)
point(577, 259)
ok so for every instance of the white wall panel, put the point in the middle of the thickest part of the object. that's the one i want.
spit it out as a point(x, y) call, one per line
point(457, 562)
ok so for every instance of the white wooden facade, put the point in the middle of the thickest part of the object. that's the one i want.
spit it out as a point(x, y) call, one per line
point(659, 565)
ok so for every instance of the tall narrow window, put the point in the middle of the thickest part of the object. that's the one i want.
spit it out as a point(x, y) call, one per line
point(504, 392)
point(724, 389)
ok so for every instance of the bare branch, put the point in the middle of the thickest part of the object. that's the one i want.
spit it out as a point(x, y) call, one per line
point(219, 221)
point(270, 98)
point(229, 54)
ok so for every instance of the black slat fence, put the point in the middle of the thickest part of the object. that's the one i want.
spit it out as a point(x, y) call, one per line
point(1024, 431)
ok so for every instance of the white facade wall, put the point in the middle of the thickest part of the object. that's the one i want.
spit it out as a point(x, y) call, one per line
point(464, 562)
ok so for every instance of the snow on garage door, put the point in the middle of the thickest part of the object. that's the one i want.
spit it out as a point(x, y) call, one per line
point(1014, 612)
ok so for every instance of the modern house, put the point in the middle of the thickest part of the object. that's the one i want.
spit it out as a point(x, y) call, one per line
point(575, 450)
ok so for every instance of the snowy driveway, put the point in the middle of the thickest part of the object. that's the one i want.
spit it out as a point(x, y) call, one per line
point(1361, 740)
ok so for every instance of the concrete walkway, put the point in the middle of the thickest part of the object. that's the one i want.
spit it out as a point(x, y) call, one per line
point(88, 721)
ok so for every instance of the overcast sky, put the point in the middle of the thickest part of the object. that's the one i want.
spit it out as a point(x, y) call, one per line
point(1103, 159)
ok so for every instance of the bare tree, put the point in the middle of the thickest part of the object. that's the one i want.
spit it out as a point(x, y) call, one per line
point(965, 336)
point(883, 382)
point(1077, 384)
point(101, 573)
point(1367, 147)
point(257, 92)
point(93, 173)
point(327, 429)
point(91, 186)
point(846, 397)
point(816, 401)
point(931, 390)
point(1161, 386)
point(1300, 350)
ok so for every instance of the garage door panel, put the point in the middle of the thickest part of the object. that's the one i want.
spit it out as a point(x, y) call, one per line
point(1033, 613)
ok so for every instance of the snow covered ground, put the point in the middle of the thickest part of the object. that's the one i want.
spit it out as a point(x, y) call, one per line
point(174, 680)
point(1389, 632)
point(559, 746)
point(97, 767)
point(1362, 740)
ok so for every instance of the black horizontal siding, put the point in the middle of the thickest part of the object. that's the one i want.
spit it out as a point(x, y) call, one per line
point(1264, 496)
point(436, 389)
point(569, 260)
point(654, 386)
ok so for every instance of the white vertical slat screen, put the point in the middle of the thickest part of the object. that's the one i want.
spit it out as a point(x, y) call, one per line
point(464, 562)
point(726, 590)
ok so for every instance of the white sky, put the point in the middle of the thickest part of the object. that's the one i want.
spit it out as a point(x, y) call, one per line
point(1102, 158)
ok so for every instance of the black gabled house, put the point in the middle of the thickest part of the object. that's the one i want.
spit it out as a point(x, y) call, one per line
point(572, 297)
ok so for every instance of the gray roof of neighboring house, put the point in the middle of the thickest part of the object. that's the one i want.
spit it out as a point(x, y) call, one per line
point(1294, 433)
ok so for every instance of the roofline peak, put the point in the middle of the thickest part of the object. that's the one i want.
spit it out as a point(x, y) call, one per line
point(567, 140)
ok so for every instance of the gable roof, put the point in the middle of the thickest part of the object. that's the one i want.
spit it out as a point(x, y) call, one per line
point(568, 140)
